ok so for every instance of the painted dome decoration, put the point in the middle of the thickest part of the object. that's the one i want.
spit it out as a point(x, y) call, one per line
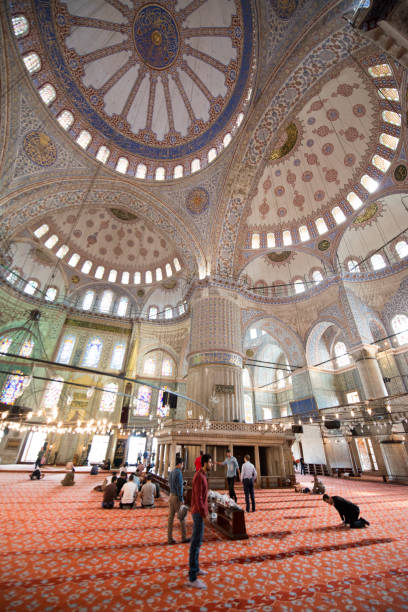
point(159, 85)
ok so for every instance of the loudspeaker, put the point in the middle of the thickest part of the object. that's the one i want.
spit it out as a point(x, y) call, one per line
point(297, 429)
point(172, 401)
point(332, 424)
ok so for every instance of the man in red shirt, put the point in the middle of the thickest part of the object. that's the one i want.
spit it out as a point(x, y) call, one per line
point(199, 510)
point(197, 462)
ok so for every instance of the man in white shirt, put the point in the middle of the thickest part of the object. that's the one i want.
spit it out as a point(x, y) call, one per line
point(148, 492)
point(128, 493)
point(248, 477)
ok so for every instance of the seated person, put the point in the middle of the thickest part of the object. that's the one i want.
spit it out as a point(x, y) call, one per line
point(36, 474)
point(318, 486)
point(140, 468)
point(128, 493)
point(109, 494)
point(106, 465)
point(68, 480)
point(94, 470)
point(148, 493)
point(121, 481)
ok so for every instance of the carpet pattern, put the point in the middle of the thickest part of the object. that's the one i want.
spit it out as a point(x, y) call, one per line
point(61, 551)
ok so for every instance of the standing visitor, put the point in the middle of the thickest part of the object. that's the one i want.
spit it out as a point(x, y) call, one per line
point(197, 462)
point(175, 500)
point(232, 471)
point(302, 465)
point(248, 477)
point(199, 510)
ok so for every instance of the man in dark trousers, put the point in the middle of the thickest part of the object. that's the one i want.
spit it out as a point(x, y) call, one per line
point(199, 510)
point(348, 511)
point(248, 477)
point(232, 471)
point(176, 499)
point(302, 465)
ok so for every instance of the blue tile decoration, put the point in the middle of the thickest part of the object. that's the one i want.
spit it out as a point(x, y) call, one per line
point(156, 36)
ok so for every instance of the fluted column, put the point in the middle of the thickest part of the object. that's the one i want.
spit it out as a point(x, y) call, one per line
point(365, 357)
point(215, 356)
point(162, 446)
point(166, 460)
point(157, 459)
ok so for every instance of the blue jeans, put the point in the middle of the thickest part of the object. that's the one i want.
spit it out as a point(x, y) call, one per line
point(196, 541)
point(249, 492)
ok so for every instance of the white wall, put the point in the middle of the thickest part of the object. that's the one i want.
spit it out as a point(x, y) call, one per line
point(311, 439)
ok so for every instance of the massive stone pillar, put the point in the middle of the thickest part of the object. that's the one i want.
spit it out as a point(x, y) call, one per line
point(365, 357)
point(215, 357)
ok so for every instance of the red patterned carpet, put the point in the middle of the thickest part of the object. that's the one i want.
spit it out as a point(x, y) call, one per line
point(60, 551)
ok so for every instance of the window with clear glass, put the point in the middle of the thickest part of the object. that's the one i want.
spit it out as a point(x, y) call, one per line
point(106, 301)
point(41, 231)
point(377, 261)
point(32, 62)
point(51, 241)
point(13, 388)
point(5, 344)
point(99, 272)
point(88, 300)
point(122, 165)
point(253, 333)
point(380, 70)
point(108, 399)
point(267, 414)
point(304, 233)
point(160, 174)
point(340, 352)
point(369, 183)
point(352, 397)
point(299, 286)
point(391, 142)
point(12, 277)
point(321, 225)
point(125, 278)
point(122, 306)
point(400, 327)
point(227, 140)
point(338, 215)
point(389, 93)
point(169, 271)
point(149, 366)
point(148, 277)
point(102, 154)
point(141, 171)
point(353, 266)
point(354, 200)
point(62, 251)
point(286, 237)
point(239, 119)
point(118, 355)
point(181, 309)
point(51, 294)
point(381, 163)
point(178, 171)
point(159, 274)
point(84, 139)
point(27, 348)
point(47, 93)
point(73, 260)
point(142, 406)
point(92, 353)
point(317, 276)
point(248, 411)
point(167, 367)
point(176, 264)
point(270, 240)
point(112, 276)
point(52, 394)
point(256, 241)
point(280, 379)
point(65, 119)
point(30, 287)
point(195, 165)
point(66, 349)
point(153, 311)
point(20, 25)
point(137, 278)
point(168, 312)
point(402, 249)
point(86, 266)
point(391, 117)
point(212, 154)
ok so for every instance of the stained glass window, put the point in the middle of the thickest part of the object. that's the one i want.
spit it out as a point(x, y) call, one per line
point(92, 353)
point(381, 163)
point(167, 367)
point(354, 200)
point(47, 93)
point(20, 25)
point(52, 394)
point(340, 351)
point(227, 140)
point(169, 271)
point(112, 276)
point(391, 117)
point(65, 352)
point(27, 348)
point(125, 278)
point(108, 401)
point(400, 327)
point(159, 274)
point(100, 270)
point(32, 62)
point(13, 388)
point(144, 395)
point(380, 70)
point(117, 356)
point(148, 277)
point(391, 142)
point(162, 411)
point(369, 183)
point(62, 251)
point(149, 366)
point(5, 344)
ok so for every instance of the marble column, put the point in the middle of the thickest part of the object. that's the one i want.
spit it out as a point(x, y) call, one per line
point(172, 456)
point(215, 355)
point(157, 459)
point(166, 461)
point(161, 459)
point(257, 465)
point(365, 357)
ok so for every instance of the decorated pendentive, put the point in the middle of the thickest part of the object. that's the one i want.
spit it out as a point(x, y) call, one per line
point(197, 201)
point(39, 147)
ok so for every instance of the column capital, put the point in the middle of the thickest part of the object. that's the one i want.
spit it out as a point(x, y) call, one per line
point(364, 351)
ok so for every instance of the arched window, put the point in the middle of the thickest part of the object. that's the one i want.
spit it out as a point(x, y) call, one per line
point(169, 271)
point(317, 276)
point(168, 312)
point(389, 93)
point(153, 312)
point(299, 286)
point(181, 308)
point(270, 240)
point(256, 241)
point(51, 294)
point(125, 278)
point(286, 237)
point(62, 251)
point(354, 201)
point(144, 395)
point(353, 266)
point(122, 306)
point(141, 171)
point(92, 353)
point(13, 388)
point(176, 264)
point(51, 241)
point(47, 93)
point(195, 165)
point(20, 25)
point(65, 119)
point(380, 70)
point(108, 399)
point(106, 301)
point(239, 119)
point(41, 231)
point(338, 215)
point(280, 379)
point(149, 366)
point(99, 272)
point(321, 225)
point(212, 154)
point(118, 355)
point(304, 233)
point(86, 266)
point(369, 183)
point(178, 171)
point(32, 62)
point(160, 174)
point(227, 140)
point(88, 300)
point(380, 163)
point(391, 142)
point(400, 327)
point(159, 274)
point(103, 154)
point(122, 165)
point(377, 261)
point(402, 249)
point(248, 411)
point(167, 367)
point(340, 351)
point(391, 117)
point(253, 333)
point(73, 260)
point(5, 344)
point(30, 287)
point(52, 394)
point(84, 139)
point(27, 348)
point(66, 349)
point(12, 277)
point(148, 277)
point(137, 277)
point(112, 276)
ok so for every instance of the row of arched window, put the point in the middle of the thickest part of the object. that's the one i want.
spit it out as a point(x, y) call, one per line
point(92, 354)
point(66, 119)
point(31, 286)
point(377, 261)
